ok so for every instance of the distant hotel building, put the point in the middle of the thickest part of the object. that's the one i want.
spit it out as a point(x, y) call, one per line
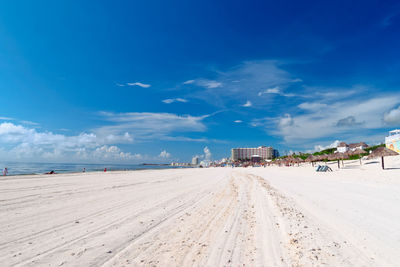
point(262, 152)
point(343, 147)
point(195, 160)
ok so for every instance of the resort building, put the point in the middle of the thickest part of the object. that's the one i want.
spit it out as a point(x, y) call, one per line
point(343, 147)
point(393, 140)
point(259, 153)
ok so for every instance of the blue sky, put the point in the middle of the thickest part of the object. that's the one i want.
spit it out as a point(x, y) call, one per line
point(157, 81)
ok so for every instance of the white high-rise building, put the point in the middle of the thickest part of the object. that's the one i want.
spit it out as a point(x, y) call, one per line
point(195, 160)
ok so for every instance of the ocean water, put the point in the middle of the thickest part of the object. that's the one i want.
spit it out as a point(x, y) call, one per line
point(18, 168)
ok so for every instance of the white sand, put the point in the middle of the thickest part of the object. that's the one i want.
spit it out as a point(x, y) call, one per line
point(275, 216)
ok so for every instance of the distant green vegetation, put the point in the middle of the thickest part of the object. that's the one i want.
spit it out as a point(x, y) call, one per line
point(331, 151)
point(325, 151)
point(373, 147)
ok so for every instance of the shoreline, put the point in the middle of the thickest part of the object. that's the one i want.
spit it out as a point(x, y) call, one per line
point(144, 167)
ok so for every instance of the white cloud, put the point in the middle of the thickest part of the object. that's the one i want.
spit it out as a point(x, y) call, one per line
point(143, 85)
point(172, 100)
point(21, 142)
point(285, 121)
point(247, 104)
point(318, 148)
point(238, 121)
point(207, 154)
point(392, 117)
point(164, 154)
point(297, 80)
point(312, 106)
point(336, 119)
point(6, 119)
point(30, 123)
point(113, 153)
point(189, 82)
point(147, 125)
point(274, 90)
point(210, 84)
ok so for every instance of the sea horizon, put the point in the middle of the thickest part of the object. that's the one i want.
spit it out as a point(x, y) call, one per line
point(36, 168)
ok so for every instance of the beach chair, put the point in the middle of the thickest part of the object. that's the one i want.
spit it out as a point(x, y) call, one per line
point(325, 168)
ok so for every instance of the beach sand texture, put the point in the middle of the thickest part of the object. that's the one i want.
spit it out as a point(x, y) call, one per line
point(274, 216)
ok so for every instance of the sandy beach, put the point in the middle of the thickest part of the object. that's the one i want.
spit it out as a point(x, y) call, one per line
point(274, 216)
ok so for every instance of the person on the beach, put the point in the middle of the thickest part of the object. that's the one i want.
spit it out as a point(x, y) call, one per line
point(5, 171)
point(84, 170)
point(105, 169)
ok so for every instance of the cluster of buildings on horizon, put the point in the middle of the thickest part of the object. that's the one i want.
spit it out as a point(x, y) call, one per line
point(268, 153)
point(256, 154)
point(343, 147)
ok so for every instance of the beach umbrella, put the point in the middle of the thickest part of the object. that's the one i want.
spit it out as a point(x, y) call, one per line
point(342, 156)
point(359, 151)
point(310, 159)
point(296, 160)
point(300, 160)
point(288, 159)
point(382, 152)
point(323, 157)
point(331, 157)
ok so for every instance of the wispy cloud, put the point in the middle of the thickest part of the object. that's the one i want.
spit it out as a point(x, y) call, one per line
point(247, 104)
point(205, 83)
point(238, 121)
point(143, 85)
point(275, 90)
point(151, 126)
point(30, 123)
point(249, 78)
point(172, 100)
point(388, 20)
point(6, 119)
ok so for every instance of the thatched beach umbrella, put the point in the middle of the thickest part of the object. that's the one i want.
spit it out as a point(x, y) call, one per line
point(296, 160)
point(323, 157)
point(358, 151)
point(331, 157)
point(382, 152)
point(288, 160)
point(342, 156)
point(311, 159)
